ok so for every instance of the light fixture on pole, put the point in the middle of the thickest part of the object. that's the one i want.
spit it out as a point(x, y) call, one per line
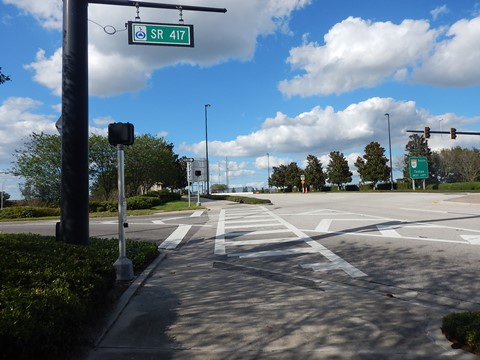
point(390, 149)
point(206, 148)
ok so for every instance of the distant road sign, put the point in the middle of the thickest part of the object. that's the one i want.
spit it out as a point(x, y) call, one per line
point(140, 33)
point(418, 167)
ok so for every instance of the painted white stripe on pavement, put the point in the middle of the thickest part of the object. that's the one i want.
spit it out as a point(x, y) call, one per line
point(258, 254)
point(387, 230)
point(251, 226)
point(244, 221)
point(158, 222)
point(175, 238)
point(197, 213)
point(341, 264)
point(472, 239)
point(255, 233)
point(261, 242)
point(324, 225)
point(220, 237)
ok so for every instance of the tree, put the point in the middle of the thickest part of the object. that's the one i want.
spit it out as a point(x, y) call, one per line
point(457, 164)
point(418, 146)
point(338, 172)
point(278, 177)
point(39, 163)
point(372, 167)
point(218, 188)
point(149, 161)
point(103, 167)
point(314, 175)
point(3, 78)
point(292, 176)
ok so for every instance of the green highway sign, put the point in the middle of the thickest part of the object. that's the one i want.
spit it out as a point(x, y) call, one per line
point(418, 167)
point(140, 33)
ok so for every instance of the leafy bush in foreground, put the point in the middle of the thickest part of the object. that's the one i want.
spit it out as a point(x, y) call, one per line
point(48, 290)
point(463, 328)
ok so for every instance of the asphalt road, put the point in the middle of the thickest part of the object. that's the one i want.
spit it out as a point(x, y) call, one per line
point(418, 241)
point(311, 276)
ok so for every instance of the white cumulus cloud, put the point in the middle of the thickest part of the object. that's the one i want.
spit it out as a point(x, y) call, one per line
point(358, 53)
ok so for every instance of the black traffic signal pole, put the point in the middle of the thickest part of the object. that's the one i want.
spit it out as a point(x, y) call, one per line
point(74, 225)
point(157, 5)
point(445, 132)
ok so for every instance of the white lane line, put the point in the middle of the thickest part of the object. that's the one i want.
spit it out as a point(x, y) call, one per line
point(258, 254)
point(340, 263)
point(245, 221)
point(324, 225)
point(388, 231)
point(175, 238)
point(197, 213)
point(402, 237)
point(427, 211)
point(472, 239)
point(262, 242)
point(158, 222)
point(251, 225)
point(255, 233)
point(220, 237)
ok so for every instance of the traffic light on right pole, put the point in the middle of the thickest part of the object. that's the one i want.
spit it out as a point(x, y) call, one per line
point(426, 132)
point(453, 133)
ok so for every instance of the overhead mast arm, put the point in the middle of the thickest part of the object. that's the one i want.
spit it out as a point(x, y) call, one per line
point(158, 5)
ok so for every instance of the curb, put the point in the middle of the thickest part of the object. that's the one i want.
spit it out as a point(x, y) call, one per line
point(127, 296)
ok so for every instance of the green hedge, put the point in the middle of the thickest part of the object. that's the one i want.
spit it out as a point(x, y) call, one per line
point(22, 212)
point(50, 289)
point(238, 199)
point(463, 328)
point(147, 201)
point(463, 186)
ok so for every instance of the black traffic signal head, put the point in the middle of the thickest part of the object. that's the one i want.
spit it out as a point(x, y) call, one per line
point(426, 132)
point(453, 133)
point(120, 134)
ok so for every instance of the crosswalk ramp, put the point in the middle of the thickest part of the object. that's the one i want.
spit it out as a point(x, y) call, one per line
point(256, 232)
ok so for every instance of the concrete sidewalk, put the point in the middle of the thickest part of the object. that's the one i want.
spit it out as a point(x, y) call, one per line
point(194, 305)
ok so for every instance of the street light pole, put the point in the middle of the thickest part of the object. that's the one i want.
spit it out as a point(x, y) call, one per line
point(206, 148)
point(390, 149)
point(268, 167)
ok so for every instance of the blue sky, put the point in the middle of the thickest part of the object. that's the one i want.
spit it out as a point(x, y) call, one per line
point(284, 77)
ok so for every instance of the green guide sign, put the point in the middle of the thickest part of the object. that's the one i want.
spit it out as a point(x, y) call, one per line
point(140, 33)
point(418, 167)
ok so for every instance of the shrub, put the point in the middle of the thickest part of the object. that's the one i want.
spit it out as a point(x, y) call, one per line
point(351, 188)
point(238, 199)
point(165, 195)
point(103, 206)
point(49, 289)
point(142, 202)
point(22, 212)
point(463, 328)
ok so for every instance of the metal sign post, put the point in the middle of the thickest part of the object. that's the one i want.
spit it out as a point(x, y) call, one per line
point(123, 265)
point(74, 224)
point(189, 162)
